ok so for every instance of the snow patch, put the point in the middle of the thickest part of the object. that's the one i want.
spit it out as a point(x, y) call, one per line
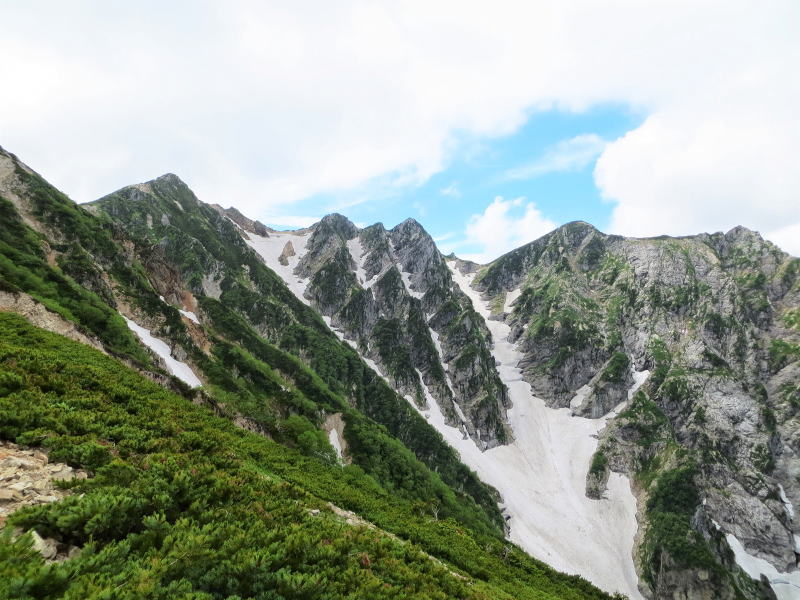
point(189, 315)
point(339, 333)
point(542, 477)
point(510, 298)
point(373, 365)
point(333, 438)
point(180, 369)
point(270, 249)
point(786, 503)
point(357, 254)
point(459, 411)
point(785, 585)
point(580, 397)
point(406, 277)
point(445, 367)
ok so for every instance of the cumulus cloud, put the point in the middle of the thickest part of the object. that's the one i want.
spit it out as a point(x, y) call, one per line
point(788, 238)
point(684, 171)
point(573, 154)
point(451, 191)
point(260, 105)
point(291, 221)
point(503, 226)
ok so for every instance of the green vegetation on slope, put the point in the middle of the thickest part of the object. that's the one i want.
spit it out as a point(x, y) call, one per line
point(184, 505)
point(24, 267)
point(257, 312)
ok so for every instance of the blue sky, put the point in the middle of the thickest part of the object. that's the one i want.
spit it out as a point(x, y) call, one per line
point(523, 165)
point(682, 116)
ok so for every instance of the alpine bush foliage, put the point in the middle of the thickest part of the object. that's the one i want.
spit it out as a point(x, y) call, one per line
point(182, 504)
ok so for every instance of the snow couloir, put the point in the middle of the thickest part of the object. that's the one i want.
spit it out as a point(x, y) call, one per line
point(542, 474)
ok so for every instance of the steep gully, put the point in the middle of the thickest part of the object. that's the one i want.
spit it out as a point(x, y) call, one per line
point(541, 475)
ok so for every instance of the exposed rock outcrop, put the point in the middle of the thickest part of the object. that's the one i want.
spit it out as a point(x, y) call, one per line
point(27, 478)
point(391, 292)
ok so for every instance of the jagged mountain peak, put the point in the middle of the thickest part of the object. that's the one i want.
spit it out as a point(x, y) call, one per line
point(338, 224)
point(169, 178)
point(162, 183)
point(410, 225)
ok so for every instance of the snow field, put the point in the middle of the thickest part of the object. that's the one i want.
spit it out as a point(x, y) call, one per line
point(541, 475)
point(785, 585)
point(270, 248)
point(510, 298)
point(357, 254)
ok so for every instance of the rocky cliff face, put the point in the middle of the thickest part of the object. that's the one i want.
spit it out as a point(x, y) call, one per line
point(714, 318)
point(391, 294)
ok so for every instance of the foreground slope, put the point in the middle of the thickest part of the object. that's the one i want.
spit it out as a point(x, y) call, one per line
point(181, 503)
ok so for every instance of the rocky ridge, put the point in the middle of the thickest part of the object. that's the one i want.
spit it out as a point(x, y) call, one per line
point(391, 294)
point(711, 317)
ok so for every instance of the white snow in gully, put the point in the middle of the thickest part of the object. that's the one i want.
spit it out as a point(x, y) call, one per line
point(445, 367)
point(542, 474)
point(333, 438)
point(270, 248)
point(359, 257)
point(511, 298)
point(189, 315)
point(542, 477)
point(785, 585)
point(180, 369)
point(406, 277)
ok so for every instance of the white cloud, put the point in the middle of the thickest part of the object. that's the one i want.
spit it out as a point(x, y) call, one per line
point(503, 226)
point(291, 221)
point(787, 238)
point(444, 237)
point(262, 104)
point(573, 154)
point(451, 191)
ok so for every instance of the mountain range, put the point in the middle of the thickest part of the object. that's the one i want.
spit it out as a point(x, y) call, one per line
point(346, 412)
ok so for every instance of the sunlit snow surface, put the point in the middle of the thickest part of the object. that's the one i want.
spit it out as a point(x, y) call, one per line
point(542, 474)
point(785, 585)
point(511, 298)
point(189, 315)
point(270, 248)
point(181, 370)
point(333, 438)
point(542, 477)
point(357, 253)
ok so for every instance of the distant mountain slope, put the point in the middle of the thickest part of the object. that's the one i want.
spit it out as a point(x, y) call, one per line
point(198, 258)
point(588, 312)
point(264, 358)
point(392, 296)
point(712, 437)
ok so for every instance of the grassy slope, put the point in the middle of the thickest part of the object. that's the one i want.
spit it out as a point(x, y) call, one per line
point(184, 505)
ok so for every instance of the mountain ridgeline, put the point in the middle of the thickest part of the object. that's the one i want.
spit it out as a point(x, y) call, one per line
point(301, 414)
